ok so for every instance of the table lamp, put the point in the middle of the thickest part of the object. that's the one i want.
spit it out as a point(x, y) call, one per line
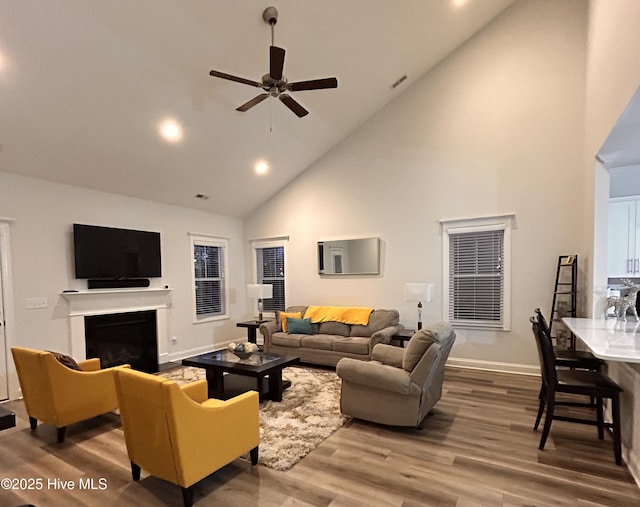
point(260, 291)
point(418, 292)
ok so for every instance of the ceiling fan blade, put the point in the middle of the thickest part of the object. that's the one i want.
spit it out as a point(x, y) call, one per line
point(276, 62)
point(314, 84)
point(291, 103)
point(255, 100)
point(237, 79)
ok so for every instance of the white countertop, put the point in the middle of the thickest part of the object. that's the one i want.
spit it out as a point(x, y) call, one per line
point(609, 339)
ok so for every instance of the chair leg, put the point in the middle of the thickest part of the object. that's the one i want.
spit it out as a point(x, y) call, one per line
point(540, 408)
point(617, 437)
point(551, 405)
point(135, 471)
point(600, 414)
point(254, 455)
point(187, 496)
point(60, 432)
point(33, 422)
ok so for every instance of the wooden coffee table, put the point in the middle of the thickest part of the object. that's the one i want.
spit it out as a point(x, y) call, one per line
point(228, 375)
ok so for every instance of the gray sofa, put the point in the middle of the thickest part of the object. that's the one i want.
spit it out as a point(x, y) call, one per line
point(399, 386)
point(331, 341)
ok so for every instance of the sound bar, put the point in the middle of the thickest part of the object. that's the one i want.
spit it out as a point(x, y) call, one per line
point(118, 283)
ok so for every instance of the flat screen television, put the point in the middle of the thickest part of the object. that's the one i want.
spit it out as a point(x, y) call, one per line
point(108, 253)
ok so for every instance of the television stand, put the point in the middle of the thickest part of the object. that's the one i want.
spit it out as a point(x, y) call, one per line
point(117, 283)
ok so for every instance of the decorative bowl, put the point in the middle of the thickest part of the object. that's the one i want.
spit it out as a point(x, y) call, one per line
point(242, 350)
point(242, 354)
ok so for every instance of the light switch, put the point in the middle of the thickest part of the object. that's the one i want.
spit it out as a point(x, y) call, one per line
point(37, 303)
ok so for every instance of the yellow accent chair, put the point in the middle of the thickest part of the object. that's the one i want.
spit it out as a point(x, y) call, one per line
point(56, 394)
point(175, 433)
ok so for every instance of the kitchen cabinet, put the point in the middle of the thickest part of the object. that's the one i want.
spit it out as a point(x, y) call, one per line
point(624, 238)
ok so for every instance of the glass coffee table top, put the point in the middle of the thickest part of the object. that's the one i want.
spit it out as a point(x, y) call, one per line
point(255, 359)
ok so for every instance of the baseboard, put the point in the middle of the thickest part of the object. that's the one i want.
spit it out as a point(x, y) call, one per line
point(633, 465)
point(179, 356)
point(477, 364)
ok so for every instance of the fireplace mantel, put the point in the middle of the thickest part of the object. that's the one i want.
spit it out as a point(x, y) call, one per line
point(99, 302)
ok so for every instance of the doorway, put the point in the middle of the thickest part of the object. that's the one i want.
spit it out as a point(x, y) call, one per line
point(4, 304)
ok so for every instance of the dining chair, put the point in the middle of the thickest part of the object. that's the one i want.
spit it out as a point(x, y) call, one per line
point(580, 359)
point(581, 382)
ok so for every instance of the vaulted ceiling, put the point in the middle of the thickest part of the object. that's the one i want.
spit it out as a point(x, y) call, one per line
point(84, 86)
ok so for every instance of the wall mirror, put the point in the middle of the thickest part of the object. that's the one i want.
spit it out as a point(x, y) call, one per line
point(349, 257)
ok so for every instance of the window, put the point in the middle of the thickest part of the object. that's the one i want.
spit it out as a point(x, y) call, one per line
point(209, 277)
point(270, 269)
point(477, 260)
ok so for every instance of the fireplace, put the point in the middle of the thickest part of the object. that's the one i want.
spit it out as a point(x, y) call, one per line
point(82, 304)
point(123, 338)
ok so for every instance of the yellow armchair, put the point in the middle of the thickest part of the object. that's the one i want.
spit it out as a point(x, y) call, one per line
point(179, 435)
point(55, 394)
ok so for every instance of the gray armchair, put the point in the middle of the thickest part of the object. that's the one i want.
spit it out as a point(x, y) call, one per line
point(398, 386)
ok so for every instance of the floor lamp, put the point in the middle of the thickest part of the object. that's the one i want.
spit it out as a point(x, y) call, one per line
point(420, 292)
point(260, 291)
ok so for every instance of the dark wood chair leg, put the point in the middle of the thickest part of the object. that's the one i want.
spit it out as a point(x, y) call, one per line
point(33, 422)
point(135, 471)
point(254, 455)
point(540, 410)
point(187, 496)
point(551, 405)
point(600, 414)
point(60, 433)
point(617, 437)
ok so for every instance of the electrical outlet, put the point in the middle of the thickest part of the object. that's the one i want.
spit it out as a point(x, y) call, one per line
point(37, 303)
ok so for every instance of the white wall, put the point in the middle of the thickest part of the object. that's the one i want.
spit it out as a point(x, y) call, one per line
point(42, 258)
point(496, 128)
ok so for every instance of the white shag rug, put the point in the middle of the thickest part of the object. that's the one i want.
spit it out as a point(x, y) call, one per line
point(308, 413)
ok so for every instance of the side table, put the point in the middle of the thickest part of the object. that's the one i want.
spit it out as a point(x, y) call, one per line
point(252, 326)
point(403, 336)
point(7, 419)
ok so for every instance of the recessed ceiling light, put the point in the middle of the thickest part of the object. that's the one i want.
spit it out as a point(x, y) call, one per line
point(170, 130)
point(459, 3)
point(261, 167)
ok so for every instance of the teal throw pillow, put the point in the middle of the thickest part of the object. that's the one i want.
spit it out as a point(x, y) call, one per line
point(299, 326)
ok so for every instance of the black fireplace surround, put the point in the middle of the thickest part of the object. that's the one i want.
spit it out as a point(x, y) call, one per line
point(123, 338)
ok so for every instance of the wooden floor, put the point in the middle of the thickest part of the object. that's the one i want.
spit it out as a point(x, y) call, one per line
point(477, 448)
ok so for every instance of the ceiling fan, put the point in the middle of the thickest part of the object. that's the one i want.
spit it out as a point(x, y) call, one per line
point(274, 83)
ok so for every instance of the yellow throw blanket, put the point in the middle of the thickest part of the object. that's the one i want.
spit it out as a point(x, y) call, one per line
point(344, 314)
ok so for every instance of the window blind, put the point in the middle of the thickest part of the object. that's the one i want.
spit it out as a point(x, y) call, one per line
point(208, 265)
point(476, 278)
point(270, 270)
